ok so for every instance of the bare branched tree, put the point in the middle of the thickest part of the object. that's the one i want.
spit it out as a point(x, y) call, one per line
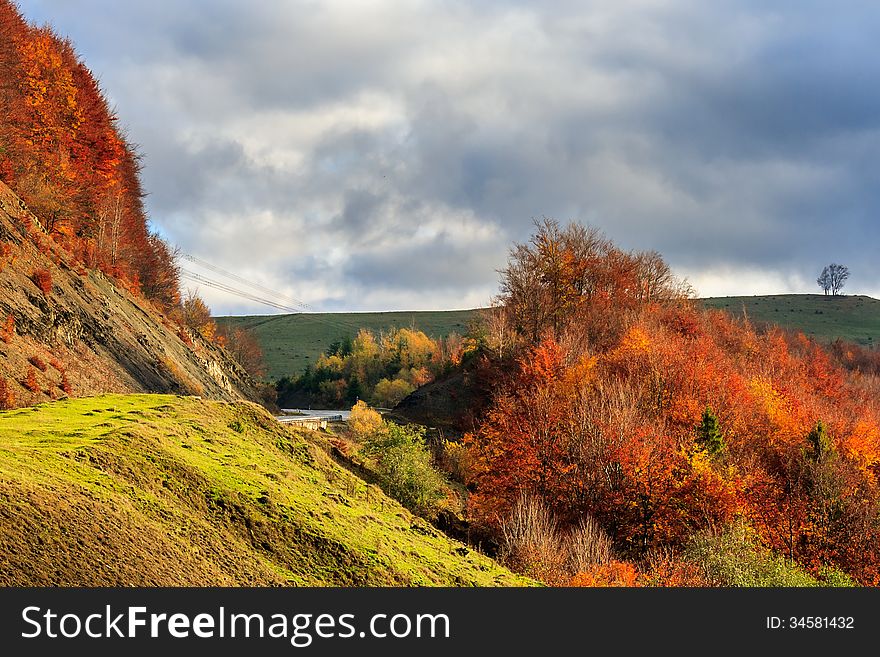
point(824, 281)
point(833, 278)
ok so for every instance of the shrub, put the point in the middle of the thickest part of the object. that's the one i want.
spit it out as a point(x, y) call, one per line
point(666, 566)
point(30, 380)
point(38, 362)
point(455, 460)
point(8, 329)
point(65, 384)
point(388, 393)
point(363, 421)
point(268, 394)
point(42, 278)
point(586, 546)
point(57, 364)
point(403, 464)
point(615, 573)
point(197, 316)
point(7, 395)
point(184, 335)
point(734, 558)
point(531, 542)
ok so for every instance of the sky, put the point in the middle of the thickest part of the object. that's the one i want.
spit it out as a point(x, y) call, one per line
point(385, 155)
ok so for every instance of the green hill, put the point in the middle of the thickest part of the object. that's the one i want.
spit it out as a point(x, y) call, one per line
point(826, 318)
point(161, 490)
point(291, 342)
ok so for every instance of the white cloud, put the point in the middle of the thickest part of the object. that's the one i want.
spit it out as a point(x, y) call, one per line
point(385, 154)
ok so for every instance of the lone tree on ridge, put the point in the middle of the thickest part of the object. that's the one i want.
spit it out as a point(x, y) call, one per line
point(833, 278)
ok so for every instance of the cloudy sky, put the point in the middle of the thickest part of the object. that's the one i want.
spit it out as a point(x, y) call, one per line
point(367, 155)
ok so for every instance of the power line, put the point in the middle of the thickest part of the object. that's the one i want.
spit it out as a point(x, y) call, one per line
point(247, 282)
point(218, 285)
point(278, 295)
point(197, 278)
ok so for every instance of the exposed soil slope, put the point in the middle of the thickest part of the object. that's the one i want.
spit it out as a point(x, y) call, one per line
point(102, 337)
point(169, 490)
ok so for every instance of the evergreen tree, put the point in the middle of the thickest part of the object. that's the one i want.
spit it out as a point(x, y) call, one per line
point(354, 391)
point(709, 433)
point(820, 443)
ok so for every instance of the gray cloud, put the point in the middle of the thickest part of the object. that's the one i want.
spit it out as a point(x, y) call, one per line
point(384, 155)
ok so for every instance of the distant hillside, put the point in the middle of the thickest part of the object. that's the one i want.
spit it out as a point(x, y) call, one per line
point(826, 318)
point(160, 490)
point(292, 342)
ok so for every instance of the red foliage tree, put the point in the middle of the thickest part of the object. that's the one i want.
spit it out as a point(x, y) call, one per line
point(62, 151)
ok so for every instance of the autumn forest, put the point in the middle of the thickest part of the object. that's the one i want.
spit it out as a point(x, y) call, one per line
point(683, 444)
point(63, 152)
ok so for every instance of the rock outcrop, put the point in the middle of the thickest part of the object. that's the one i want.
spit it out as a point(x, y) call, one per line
point(69, 331)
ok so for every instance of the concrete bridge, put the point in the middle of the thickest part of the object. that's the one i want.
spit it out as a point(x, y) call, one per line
point(313, 422)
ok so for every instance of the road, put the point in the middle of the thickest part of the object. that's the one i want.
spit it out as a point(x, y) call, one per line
point(316, 413)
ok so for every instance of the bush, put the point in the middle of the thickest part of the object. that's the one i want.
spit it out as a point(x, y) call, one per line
point(388, 393)
point(30, 380)
point(42, 278)
point(531, 543)
point(615, 573)
point(8, 329)
point(666, 566)
point(268, 395)
point(403, 464)
point(363, 421)
point(587, 546)
point(455, 460)
point(7, 396)
point(197, 316)
point(733, 558)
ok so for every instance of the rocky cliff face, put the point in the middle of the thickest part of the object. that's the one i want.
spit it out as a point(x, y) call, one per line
point(72, 332)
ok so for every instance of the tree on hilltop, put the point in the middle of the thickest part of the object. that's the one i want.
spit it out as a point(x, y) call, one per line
point(833, 278)
point(824, 281)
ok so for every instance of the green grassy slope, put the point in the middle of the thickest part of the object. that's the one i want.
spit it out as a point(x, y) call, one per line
point(854, 318)
point(166, 490)
point(291, 342)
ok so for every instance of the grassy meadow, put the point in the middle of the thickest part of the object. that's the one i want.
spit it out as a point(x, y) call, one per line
point(162, 490)
point(292, 342)
point(825, 318)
